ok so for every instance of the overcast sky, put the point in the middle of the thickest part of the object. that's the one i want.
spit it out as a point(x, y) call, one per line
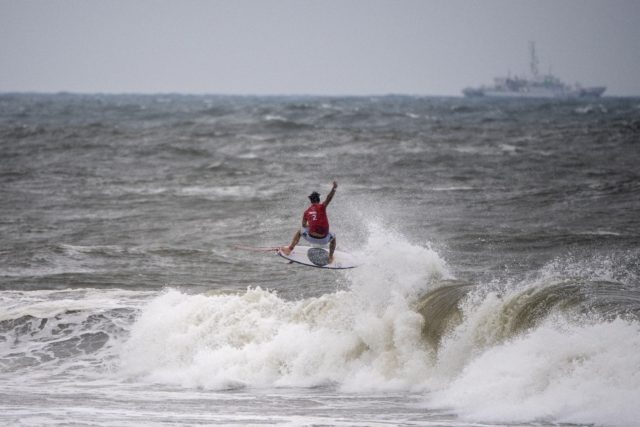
point(312, 47)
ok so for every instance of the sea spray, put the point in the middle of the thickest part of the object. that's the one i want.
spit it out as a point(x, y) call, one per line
point(558, 371)
point(393, 266)
point(367, 337)
point(260, 340)
point(545, 349)
point(556, 347)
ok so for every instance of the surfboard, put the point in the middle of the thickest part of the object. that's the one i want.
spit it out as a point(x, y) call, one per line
point(319, 257)
point(309, 256)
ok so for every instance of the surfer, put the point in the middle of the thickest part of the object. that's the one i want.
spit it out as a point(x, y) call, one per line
point(315, 224)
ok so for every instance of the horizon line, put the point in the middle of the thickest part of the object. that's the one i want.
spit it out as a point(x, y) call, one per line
point(265, 95)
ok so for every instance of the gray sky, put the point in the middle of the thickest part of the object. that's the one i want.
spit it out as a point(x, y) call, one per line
point(312, 47)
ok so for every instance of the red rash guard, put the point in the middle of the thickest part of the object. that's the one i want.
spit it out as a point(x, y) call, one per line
point(316, 216)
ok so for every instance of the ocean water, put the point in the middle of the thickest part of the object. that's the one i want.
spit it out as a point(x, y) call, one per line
point(498, 242)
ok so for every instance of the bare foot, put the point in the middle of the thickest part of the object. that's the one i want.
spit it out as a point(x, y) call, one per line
point(330, 259)
point(286, 250)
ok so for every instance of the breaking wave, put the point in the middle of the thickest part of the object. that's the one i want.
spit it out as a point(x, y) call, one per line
point(563, 346)
point(550, 349)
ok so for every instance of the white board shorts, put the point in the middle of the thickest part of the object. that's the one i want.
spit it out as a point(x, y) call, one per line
point(315, 241)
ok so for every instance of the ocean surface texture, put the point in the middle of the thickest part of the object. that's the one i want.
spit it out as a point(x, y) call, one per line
point(498, 242)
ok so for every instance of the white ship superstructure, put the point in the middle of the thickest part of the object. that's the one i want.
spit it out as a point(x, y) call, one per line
point(538, 86)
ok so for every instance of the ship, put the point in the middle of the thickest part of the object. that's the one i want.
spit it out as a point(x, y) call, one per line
point(537, 86)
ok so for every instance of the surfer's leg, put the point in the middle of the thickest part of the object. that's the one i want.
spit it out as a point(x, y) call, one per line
point(332, 248)
point(287, 249)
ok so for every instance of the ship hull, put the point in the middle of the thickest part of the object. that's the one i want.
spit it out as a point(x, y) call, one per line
point(594, 92)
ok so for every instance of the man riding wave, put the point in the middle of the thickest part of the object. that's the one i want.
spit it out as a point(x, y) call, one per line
point(315, 224)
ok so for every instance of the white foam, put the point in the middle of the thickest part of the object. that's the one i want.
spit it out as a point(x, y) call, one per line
point(606, 266)
point(258, 339)
point(48, 263)
point(391, 265)
point(509, 148)
point(559, 371)
point(49, 303)
point(567, 368)
point(600, 233)
point(365, 338)
point(224, 192)
point(274, 118)
point(590, 108)
point(63, 333)
point(369, 337)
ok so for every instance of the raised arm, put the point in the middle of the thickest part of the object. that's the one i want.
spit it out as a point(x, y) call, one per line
point(330, 195)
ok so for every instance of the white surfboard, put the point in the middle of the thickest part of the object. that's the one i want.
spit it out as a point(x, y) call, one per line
point(319, 257)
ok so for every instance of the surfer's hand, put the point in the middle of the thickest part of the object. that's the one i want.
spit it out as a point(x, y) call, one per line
point(335, 185)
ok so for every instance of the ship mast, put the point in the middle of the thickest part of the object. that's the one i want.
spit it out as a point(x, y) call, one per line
point(534, 59)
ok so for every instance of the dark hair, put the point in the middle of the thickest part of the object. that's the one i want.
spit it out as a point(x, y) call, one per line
point(314, 197)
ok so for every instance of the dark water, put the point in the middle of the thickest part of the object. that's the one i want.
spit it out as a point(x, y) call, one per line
point(499, 243)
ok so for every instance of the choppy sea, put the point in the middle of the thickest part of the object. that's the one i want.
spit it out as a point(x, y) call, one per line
point(498, 242)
